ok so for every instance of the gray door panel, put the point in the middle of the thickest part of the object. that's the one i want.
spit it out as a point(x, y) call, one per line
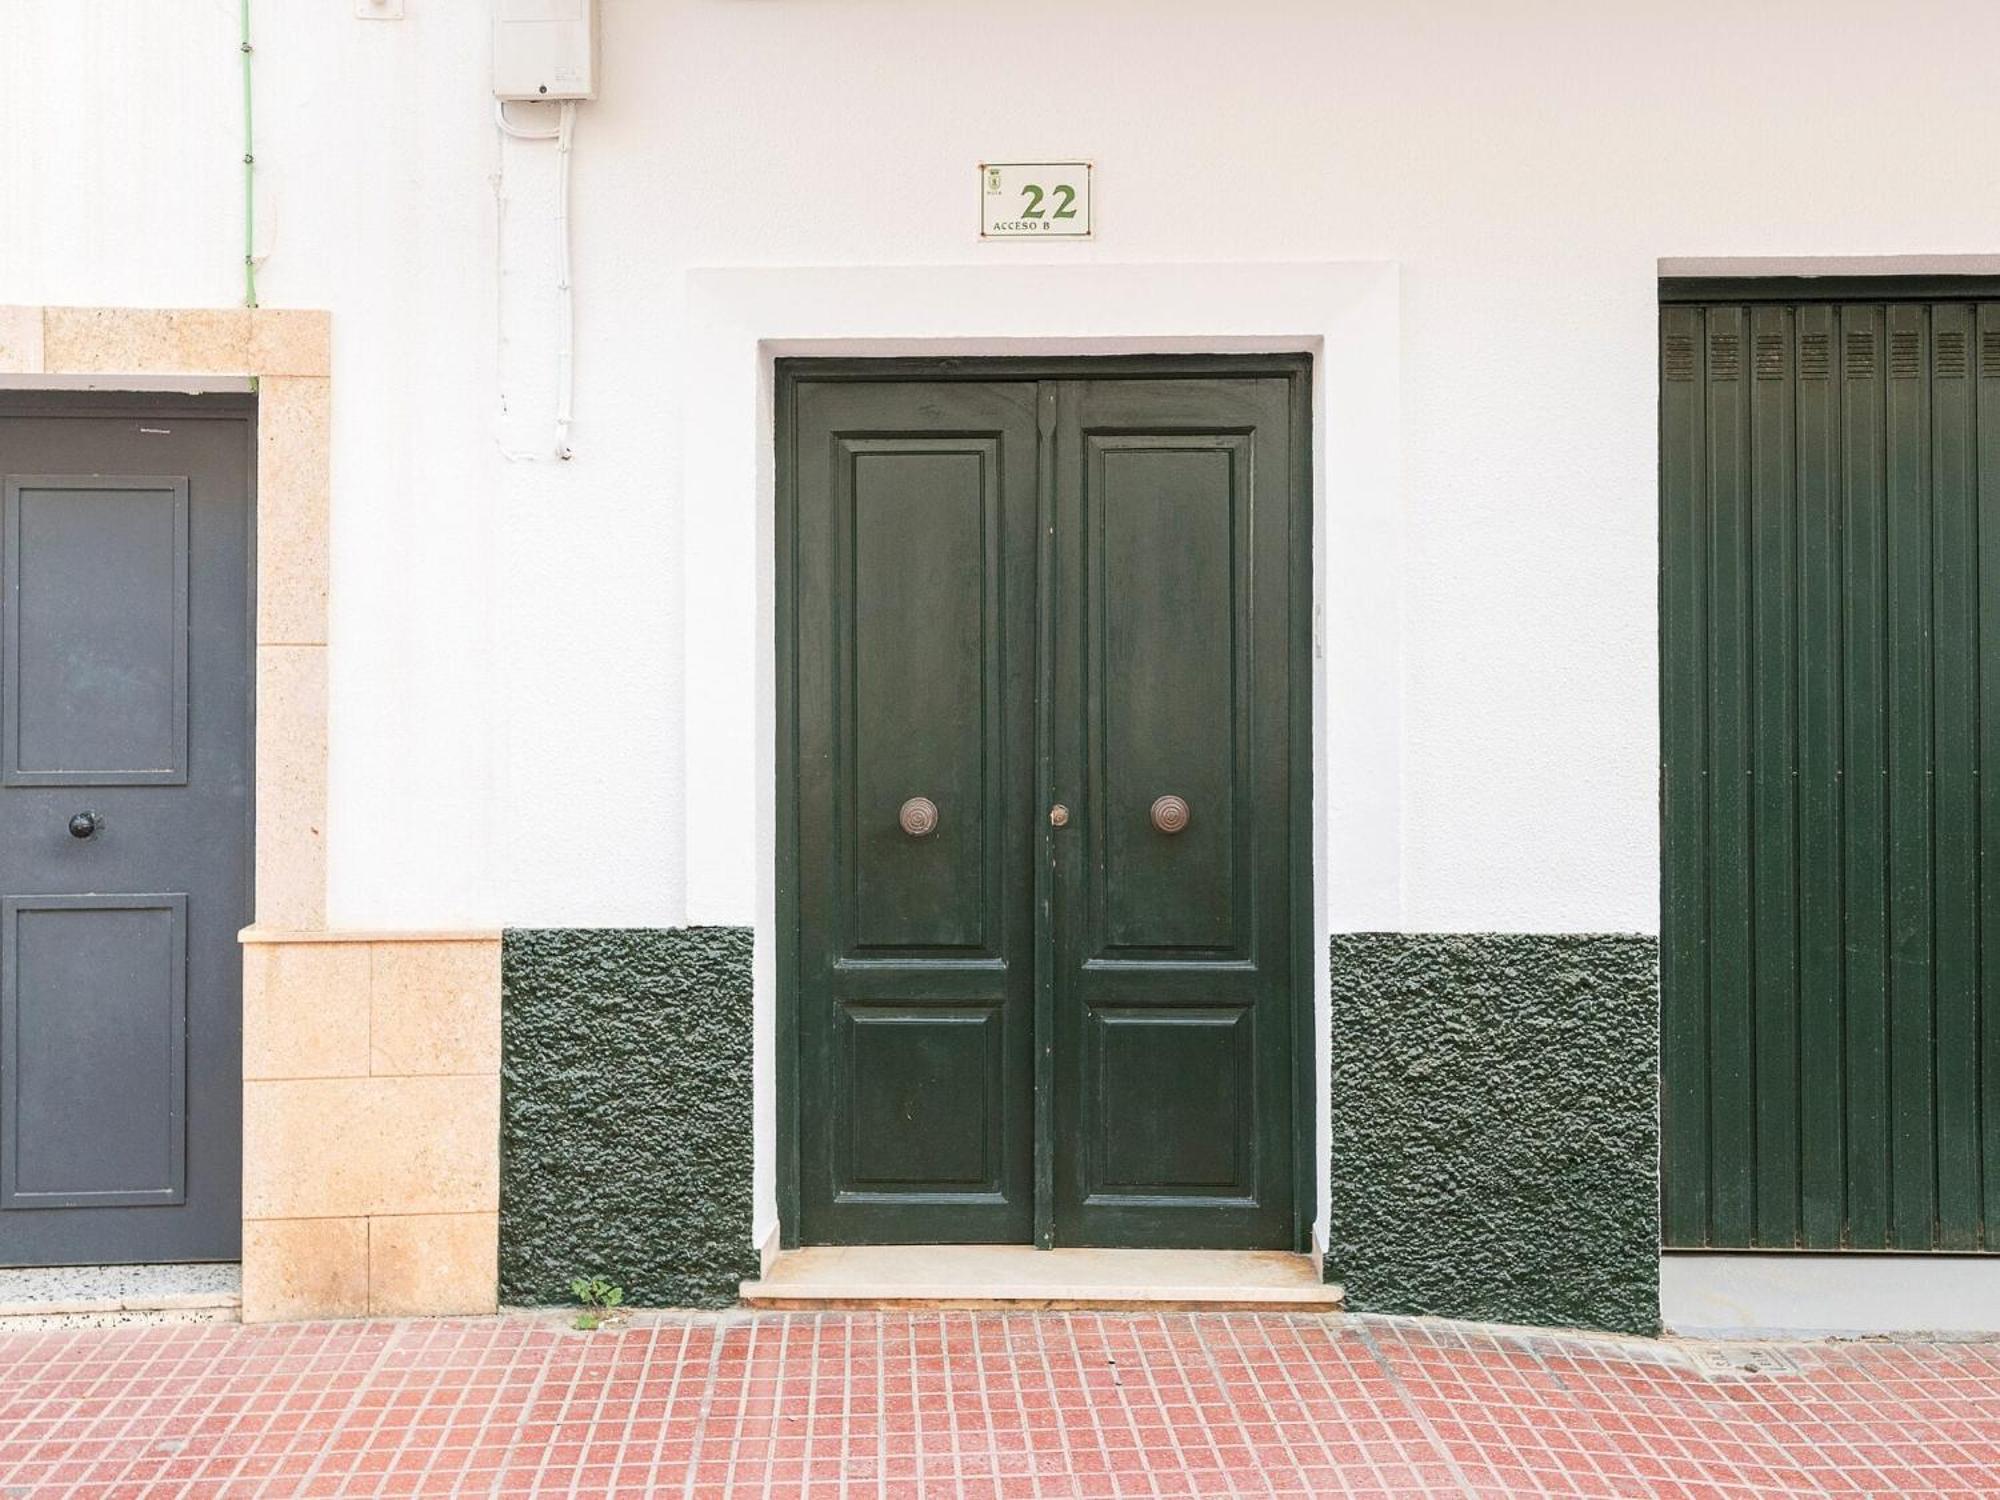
point(95, 685)
point(93, 1008)
point(125, 787)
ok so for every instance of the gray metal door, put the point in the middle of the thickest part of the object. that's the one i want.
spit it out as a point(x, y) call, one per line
point(125, 805)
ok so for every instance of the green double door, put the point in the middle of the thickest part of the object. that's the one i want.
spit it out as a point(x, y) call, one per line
point(1041, 644)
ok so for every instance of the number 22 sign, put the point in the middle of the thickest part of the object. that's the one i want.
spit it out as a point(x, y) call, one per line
point(1034, 200)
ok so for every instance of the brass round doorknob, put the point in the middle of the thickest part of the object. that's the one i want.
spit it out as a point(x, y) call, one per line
point(1170, 814)
point(83, 825)
point(919, 816)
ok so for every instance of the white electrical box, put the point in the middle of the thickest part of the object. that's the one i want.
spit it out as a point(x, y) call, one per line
point(545, 49)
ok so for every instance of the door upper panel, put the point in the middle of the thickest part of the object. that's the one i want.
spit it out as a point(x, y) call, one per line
point(1166, 516)
point(93, 688)
point(920, 519)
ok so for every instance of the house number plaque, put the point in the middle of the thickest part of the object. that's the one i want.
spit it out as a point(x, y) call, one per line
point(1046, 200)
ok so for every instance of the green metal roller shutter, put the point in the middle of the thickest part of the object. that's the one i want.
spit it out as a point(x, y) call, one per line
point(1830, 689)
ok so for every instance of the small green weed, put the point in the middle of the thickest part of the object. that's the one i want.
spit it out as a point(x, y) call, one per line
point(597, 1298)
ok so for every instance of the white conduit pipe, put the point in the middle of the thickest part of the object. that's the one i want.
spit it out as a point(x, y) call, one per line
point(566, 310)
point(565, 305)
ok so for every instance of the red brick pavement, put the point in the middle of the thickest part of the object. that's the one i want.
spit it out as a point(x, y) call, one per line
point(977, 1404)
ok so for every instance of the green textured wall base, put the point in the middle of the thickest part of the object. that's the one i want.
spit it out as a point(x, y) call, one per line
point(625, 1114)
point(1496, 1127)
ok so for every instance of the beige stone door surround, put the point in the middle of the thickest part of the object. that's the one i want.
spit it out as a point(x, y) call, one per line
point(371, 1060)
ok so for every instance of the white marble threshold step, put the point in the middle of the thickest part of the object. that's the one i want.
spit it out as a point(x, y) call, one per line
point(37, 1298)
point(853, 1276)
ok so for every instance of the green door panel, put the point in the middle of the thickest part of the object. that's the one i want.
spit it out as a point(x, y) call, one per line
point(914, 655)
point(1863, 773)
point(1173, 1039)
point(1830, 606)
point(1165, 655)
point(1148, 527)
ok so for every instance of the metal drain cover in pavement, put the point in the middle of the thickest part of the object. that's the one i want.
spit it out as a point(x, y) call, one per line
point(1743, 1359)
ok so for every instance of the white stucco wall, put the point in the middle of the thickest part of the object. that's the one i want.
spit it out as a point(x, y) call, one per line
point(508, 647)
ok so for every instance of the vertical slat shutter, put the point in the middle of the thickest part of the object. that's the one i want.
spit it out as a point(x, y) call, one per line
point(1830, 692)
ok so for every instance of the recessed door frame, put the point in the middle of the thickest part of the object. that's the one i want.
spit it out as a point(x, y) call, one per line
point(273, 366)
point(1297, 370)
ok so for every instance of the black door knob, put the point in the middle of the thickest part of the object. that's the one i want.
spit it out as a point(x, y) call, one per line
point(83, 825)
